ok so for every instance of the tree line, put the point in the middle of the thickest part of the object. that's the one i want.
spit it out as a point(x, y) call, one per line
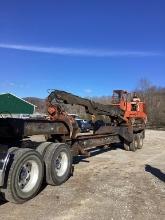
point(154, 98)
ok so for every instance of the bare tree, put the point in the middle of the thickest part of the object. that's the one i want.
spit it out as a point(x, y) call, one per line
point(154, 97)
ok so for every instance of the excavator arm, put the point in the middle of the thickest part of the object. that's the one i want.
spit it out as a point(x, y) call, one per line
point(57, 113)
point(91, 107)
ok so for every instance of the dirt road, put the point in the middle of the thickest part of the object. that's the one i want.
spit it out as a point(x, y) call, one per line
point(113, 184)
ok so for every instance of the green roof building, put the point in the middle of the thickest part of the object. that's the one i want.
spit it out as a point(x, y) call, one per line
point(11, 104)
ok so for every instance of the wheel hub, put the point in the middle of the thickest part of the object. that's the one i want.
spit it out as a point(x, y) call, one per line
point(28, 176)
point(24, 175)
point(61, 163)
point(58, 163)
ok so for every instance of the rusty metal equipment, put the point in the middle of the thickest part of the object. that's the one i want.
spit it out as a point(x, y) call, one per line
point(124, 111)
point(53, 157)
point(91, 107)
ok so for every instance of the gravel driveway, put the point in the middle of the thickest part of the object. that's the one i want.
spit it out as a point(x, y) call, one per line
point(112, 184)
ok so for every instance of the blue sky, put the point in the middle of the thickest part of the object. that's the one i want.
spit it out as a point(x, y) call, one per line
point(88, 47)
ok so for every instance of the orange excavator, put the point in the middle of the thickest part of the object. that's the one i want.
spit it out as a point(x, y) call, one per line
point(133, 107)
point(125, 107)
point(126, 113)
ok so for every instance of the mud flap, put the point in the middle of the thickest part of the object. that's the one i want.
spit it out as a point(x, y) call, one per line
point(4, 159)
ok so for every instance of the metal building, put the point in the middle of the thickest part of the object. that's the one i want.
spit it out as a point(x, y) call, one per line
point(11, 104)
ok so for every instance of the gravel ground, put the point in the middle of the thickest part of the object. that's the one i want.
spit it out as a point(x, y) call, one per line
point(112, 184)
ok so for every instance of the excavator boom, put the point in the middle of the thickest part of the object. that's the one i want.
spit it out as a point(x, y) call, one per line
point(91, 107)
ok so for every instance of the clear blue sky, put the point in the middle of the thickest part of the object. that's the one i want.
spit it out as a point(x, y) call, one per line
point(88, 47)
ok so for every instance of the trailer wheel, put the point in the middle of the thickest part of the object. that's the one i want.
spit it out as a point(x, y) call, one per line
point(140, 140)
point(42, 148)
point(25, 176)
point(134, 144)
point(58, 161)
point(12, 150)
point(126, 146)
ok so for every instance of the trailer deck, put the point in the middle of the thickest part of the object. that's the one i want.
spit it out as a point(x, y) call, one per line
point(24, 164)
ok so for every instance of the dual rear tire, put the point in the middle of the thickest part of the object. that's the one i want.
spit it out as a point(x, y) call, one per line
point(58, 161)
point(25, 175)
point(137, 143)
point(27, 168)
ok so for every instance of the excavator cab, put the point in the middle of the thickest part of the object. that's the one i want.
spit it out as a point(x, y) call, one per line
point(129, 103)
point(120, 96)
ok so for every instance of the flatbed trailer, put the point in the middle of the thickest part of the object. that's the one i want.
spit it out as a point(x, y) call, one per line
point(24, 165)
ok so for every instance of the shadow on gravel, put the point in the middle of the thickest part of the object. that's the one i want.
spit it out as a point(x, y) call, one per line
point(2, 200)
point(156, 172)
point(95, 151)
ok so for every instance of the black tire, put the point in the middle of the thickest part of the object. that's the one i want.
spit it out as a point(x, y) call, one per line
point(58, 157)
point(131, 146)
point(42, 148)
point(139, 140)
point(126, 146)
point(134, 144)
point(12, 150)
point(25, 176)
